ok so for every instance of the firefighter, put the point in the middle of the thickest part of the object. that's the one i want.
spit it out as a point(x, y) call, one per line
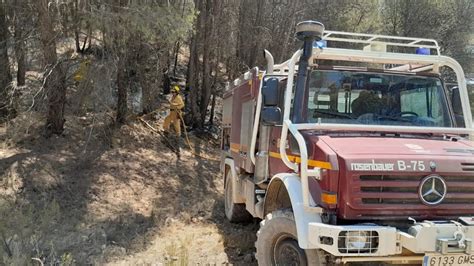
point(174, 117)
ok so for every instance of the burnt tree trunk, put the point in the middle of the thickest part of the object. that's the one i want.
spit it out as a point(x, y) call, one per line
point(193, 83)
point(193, 71)
point(5, 76)
point(286, 34)
point(241, 34)
point(213, 107)
point(120, 45)
point(214, 87)
point(122, 89)
point(175, 55)
point(76, 24)
point(20, 54)
point(87, 38)
point(20, 43)
point(55, 76)
point(206, 67)
point(149, 75)
point(178, 44)
point(76, 40)
point(256, 41)
point(218, 20)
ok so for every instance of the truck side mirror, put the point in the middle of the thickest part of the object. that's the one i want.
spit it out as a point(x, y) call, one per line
point(270, 92)
point(271, 115)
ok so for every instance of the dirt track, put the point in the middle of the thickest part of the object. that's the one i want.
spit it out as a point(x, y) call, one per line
point(122, 198)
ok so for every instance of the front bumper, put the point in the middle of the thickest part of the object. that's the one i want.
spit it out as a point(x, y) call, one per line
point(427, 237)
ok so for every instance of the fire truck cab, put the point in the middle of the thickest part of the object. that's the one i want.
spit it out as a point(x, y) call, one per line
point(350, 151)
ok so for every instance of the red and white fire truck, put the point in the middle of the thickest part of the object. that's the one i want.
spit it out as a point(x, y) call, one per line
point(350, 152)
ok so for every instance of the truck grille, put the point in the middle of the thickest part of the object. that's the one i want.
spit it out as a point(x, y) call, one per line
point(388, 189)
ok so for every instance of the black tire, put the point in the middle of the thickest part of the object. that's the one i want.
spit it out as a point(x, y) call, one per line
point(236, 213)
point(277, 242)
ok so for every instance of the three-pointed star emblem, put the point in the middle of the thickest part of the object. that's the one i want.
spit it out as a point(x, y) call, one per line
point(432, 190)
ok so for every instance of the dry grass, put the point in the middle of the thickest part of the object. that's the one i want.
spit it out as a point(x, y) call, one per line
point(25, 234)
point(102, 194)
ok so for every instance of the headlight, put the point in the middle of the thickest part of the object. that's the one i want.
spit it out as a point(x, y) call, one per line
point(358, 241)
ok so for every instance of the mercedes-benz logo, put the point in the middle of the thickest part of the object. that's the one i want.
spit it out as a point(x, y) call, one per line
point(432, 190)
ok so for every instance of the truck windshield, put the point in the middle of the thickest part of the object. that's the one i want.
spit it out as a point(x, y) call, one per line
point(346, 97)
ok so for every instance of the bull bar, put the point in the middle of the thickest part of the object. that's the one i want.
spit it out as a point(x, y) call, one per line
point(390, 244)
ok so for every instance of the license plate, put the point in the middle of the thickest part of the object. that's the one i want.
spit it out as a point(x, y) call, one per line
point(448, 260)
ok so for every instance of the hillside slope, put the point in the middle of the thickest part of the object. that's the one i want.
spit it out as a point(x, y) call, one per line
point(101, 194)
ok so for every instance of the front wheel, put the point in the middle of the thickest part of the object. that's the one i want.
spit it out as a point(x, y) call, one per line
point(277, 242)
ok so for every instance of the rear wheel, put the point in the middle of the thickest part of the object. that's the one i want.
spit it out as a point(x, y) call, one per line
point(277, 242)
point(235, 212)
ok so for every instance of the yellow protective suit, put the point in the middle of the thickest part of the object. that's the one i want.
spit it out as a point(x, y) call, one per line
point(176, 105)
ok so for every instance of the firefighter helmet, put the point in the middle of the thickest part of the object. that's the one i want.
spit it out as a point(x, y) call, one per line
point(175, 89)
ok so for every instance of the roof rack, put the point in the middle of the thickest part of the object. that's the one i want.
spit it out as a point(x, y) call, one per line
point(373, 40)
point(375, 43)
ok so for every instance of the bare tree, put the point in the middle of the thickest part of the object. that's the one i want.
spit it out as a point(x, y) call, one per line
point(207, 18)
point(5, 76)
point(20, 25)
point(122, 88)
point(192, 79)
point(55, 77)
point(120, 46)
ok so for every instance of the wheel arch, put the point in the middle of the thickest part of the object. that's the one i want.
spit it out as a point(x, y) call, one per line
point(276, 197)
point(283, 192)
point(229, 165)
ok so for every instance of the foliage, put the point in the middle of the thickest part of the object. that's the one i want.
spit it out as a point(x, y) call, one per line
point(449, 22)
point(225, 38)
point(154, 22)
